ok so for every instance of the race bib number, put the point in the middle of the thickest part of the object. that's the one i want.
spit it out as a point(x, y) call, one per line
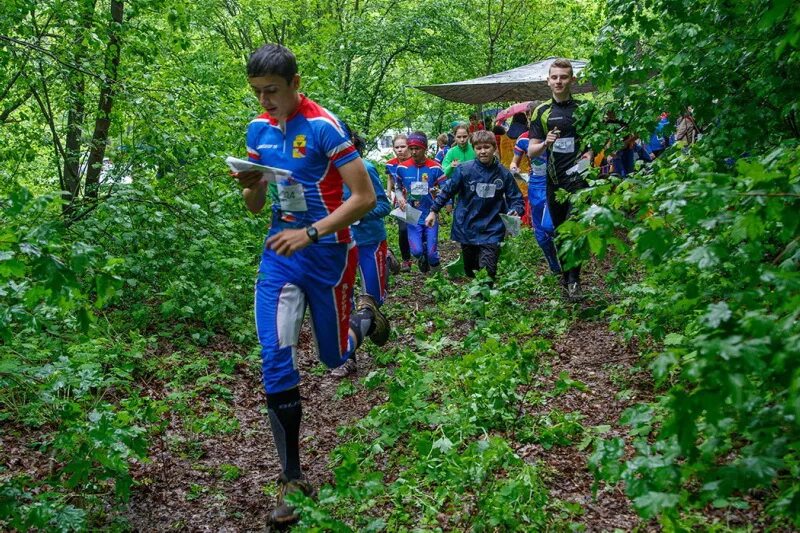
point(419, 188)
point(564, 145)
point(485, 190)
point(291, 196)
point(538, 167)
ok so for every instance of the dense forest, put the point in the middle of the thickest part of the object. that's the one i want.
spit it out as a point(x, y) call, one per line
point(130, 396)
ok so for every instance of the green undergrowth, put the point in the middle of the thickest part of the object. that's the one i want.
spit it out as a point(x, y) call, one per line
point(715, 304)
point(439, 453)
point(106, 326)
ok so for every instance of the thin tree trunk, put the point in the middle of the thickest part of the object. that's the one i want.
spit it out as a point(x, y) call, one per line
point(77, 109)
point(102, 124)
point(378, 85)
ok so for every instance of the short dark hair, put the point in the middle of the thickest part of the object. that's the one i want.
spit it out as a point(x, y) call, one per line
point(272, 60)
point(484, 137)
point(561, 63)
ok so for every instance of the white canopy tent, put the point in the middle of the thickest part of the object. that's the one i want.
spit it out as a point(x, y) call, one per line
point(528, 82)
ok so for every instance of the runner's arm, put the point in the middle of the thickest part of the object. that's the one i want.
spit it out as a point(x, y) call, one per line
point(382, 207)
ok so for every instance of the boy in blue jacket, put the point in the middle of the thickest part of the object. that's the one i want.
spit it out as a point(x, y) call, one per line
point(486, 189)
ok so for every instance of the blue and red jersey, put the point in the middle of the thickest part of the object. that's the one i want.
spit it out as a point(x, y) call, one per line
point(538, 173)
point(417, 181)
point(441, 153)
point(391, 167)
point(312, 148)
point(521, 144)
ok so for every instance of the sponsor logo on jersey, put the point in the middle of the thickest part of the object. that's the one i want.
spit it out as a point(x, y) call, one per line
point(299, 147)
point(267, 147)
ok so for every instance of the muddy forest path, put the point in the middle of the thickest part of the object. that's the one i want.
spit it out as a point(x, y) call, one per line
point(401, 444)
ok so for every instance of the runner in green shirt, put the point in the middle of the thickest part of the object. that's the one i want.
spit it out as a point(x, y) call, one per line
point(460, 152)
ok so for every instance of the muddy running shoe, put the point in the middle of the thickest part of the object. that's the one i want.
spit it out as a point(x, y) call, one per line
point(379, 333)
point(574, 292)
point(406, 266)
point(422, 263)
point(393, 263)
point(349, 367)
point(284, 514)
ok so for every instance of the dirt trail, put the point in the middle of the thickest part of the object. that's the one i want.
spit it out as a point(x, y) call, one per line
point(184, 488)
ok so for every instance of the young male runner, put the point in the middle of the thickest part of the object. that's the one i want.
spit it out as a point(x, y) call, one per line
point(486, 189)
point(308, 257)
point(553, 130)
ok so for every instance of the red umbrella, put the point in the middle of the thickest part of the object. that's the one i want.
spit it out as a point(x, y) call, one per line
point(509, 112)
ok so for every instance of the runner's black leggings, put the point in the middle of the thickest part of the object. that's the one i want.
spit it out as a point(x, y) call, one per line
point(402, 240)
point(559, 212)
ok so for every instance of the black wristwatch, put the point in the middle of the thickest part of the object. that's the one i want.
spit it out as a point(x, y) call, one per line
point(312, 233)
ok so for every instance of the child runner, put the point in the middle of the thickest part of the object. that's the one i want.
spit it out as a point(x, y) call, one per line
point(308, 257)
point(485, 189)
point(370, 237)
point(400, 147)
point(418, 176)
point(441, 142)
point(460, 152)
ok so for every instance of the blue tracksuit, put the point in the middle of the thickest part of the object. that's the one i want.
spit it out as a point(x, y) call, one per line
point(543, 226)
point(312, 147)
point(416, 182)
point(370, 236)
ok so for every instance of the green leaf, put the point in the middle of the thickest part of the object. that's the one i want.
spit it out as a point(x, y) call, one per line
point(653, 503)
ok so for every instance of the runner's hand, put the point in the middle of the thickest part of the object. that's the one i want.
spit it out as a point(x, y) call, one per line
point(430, 220)
point(401, 203)
point(248, 179)
point(288, 241)
point(552, 136)
point(513, 169)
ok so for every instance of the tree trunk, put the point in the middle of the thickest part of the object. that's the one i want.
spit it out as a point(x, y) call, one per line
point(379, 83)
point(77, 112)
point(102, 124)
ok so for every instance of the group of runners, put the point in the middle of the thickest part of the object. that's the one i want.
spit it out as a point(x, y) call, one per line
point(327, 223)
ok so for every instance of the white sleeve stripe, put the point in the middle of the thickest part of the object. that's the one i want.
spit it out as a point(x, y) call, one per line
point(341, 148)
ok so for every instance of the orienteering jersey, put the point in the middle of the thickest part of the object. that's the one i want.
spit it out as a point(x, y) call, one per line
point(417, 182)
point(567, 148)
point(391, 167)
point(521, 145)
point(538, 172)
point(312, 148)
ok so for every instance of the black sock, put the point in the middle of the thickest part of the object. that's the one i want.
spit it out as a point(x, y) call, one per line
point(285, 411)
